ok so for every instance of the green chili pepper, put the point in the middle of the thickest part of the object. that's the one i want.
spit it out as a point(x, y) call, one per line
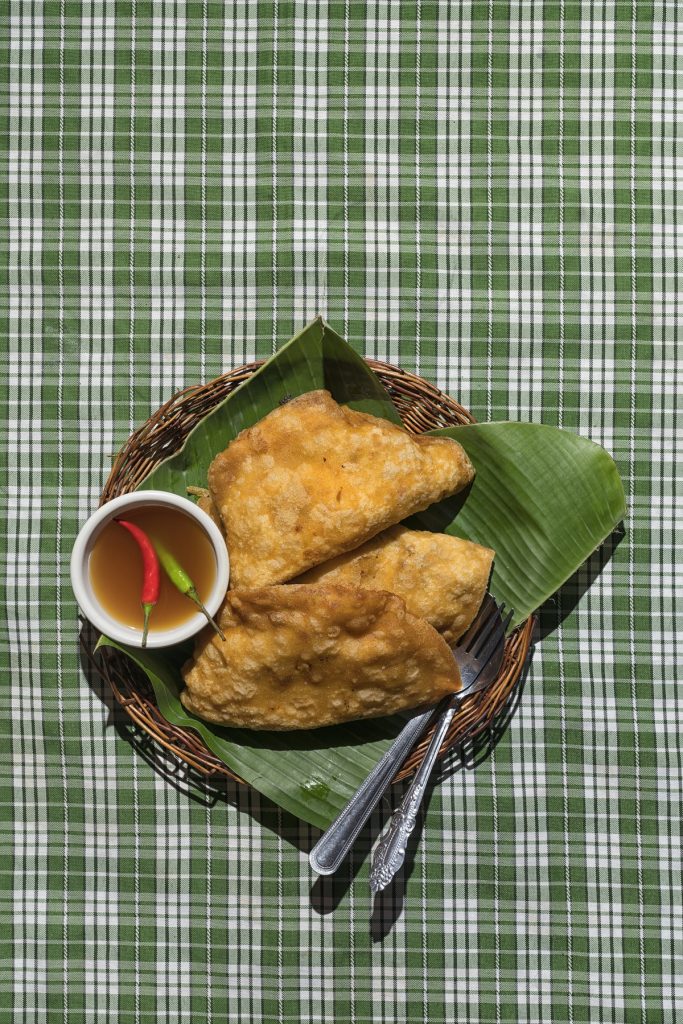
point(181, 580)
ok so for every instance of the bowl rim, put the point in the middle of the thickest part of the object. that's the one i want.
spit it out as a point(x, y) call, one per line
point(93, 610)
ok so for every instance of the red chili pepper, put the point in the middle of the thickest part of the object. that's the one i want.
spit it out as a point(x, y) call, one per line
point(151, 574)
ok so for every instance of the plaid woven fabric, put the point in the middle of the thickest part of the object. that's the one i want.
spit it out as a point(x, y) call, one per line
point(488, 193)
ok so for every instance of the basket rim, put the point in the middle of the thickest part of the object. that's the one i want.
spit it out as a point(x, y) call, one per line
point(184, 743)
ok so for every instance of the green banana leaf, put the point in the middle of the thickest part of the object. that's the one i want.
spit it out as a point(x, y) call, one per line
point(314, 358)
point(543, 498)
point(312, 774)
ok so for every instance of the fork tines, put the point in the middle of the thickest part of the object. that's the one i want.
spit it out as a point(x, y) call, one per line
point(482, 637)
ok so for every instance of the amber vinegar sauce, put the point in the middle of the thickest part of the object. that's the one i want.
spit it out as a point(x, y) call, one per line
point(115, 567)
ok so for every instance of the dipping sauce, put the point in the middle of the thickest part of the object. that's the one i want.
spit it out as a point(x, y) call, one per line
point(115, 567)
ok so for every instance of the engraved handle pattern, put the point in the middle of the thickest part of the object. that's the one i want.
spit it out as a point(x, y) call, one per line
point(391, 850)
point(333, 845)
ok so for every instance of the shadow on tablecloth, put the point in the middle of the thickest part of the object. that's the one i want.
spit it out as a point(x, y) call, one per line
point(558, 607)
point(181, 776)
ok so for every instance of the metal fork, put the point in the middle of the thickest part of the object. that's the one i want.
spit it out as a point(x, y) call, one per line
point(476, 673)
point(481, 660)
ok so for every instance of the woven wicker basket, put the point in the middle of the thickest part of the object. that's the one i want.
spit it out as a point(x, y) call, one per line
point(422, 407)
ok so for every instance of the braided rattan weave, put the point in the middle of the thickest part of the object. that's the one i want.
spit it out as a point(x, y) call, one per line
point(421, 407)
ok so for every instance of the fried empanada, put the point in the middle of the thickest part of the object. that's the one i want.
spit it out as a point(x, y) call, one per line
point(299, 657)
point(205, 503)
point(314, 479)
point(441, 578)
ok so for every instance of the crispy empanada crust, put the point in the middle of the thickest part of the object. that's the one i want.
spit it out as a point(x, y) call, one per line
point(314, 479)
point(441, 578)
point(300, 657)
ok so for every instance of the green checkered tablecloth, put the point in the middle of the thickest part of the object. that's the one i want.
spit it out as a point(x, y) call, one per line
point(489, 194)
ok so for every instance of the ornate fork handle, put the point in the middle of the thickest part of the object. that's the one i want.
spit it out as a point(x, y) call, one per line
point(332, 847)
point(391, 850)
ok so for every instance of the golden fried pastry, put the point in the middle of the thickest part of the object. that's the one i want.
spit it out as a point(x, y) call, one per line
point(205, 503)
point(314, 479)
point(441, 578)
point(299, 657)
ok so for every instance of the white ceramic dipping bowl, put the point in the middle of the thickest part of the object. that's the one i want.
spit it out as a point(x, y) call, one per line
point(80, 572)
